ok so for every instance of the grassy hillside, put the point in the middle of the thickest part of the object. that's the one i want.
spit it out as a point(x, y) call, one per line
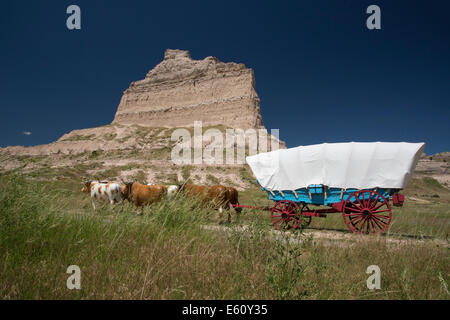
point(117, 152)
point(166, 253)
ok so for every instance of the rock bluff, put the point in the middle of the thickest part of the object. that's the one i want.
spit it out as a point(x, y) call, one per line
point(180, 90)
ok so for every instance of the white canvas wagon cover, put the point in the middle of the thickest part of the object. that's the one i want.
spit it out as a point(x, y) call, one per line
point(338, 165)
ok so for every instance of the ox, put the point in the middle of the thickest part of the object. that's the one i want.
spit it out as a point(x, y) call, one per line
point(219, 196)
point(233, 198)
point(103, 191)
point(141, 194)
point(172, 190)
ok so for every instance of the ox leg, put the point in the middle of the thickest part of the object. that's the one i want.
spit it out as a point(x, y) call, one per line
point(237, 211)
point(230, 208)
point(220, 215)
point(112, 202)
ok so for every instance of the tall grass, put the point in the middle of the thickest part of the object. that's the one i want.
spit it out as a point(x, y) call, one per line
point(168, 254)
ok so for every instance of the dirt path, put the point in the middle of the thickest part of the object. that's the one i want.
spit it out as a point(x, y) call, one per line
point(333, 238)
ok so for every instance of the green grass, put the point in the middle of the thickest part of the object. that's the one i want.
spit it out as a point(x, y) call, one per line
point(166, 254)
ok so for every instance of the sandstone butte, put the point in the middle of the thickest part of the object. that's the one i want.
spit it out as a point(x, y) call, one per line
point(175, 93)
point(180, 90)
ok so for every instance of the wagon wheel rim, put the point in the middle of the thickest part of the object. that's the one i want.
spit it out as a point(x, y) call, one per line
point(306, 220)
point(367, 211)
point(285, 215)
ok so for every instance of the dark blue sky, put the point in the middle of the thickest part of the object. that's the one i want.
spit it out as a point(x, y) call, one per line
point(322, 76)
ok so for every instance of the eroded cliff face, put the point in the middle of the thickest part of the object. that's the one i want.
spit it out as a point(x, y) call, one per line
point(180, 90)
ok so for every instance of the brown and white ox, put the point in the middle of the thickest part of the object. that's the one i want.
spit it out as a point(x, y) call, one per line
point(103, 191)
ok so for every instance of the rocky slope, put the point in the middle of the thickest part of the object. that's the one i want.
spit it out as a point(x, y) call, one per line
point(436, 166)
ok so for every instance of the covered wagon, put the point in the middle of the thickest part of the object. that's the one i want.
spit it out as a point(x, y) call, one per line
point(355, 179)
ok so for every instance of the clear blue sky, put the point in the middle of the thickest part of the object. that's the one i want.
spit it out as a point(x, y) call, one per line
point(322, 76)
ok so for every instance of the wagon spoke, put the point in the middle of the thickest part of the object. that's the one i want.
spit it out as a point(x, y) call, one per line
point(357, 198)
point(384, 221)
point(378, 222)
point(379, 206)
point(353, 221)
point(354, 218)
point(374, 202)
point(373, 225)
point(356, 206)
point(381, 224)
point(276, 222)
point(364, 224)
point(361, 228)
point(357, 227)
point(354, 210)
point(367, 226)
point(363, 219)
point(379, 218)
point(380, 211)
point(369, 204)
point(370, 226)
point(291, 214)
point(376, 225)
point(290, 210)
point(365, 201)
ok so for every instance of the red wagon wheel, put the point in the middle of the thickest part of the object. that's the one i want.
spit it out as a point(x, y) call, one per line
point(285, 215)
point(367, 211)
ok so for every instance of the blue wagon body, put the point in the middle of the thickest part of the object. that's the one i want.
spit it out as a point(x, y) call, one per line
point(317, 194)
point(363, 211)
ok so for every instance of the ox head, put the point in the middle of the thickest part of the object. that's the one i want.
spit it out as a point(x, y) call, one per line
point(181, 187)
point(125, 190)
point(86, 186)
